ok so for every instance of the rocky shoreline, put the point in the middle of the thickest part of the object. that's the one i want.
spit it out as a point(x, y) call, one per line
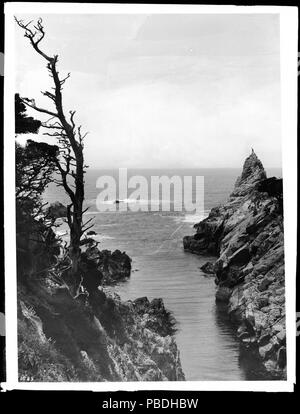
point(246, 236)
point(93, 336)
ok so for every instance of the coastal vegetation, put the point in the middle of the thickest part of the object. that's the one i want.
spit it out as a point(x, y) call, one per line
point(70, 327)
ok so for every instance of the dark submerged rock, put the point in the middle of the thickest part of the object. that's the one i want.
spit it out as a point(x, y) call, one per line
point(91, 233)
point(208, 268)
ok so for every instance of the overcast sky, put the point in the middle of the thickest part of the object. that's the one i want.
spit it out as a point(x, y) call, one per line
point(165, 90)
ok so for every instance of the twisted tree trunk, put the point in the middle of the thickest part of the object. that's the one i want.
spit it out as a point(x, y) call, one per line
point(70, 162)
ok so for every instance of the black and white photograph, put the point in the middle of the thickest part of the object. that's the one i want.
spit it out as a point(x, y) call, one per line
point(149, 196)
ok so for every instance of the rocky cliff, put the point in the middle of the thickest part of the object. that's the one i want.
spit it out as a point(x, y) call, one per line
point(246, 235)
point(93, 336)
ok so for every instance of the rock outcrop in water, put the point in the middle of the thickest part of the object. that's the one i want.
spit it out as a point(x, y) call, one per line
point(246, 233)
point(94, 336)
point(111, 267)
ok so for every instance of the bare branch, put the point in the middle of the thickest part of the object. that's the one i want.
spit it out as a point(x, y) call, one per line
point(32, 36)
point(70, 160)
point(31, 104)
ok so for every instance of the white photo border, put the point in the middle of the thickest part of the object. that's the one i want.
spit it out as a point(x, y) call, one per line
point(288, 66)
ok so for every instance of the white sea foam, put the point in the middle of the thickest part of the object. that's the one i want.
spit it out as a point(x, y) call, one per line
point(136, 201)
point(195, 218)
point(99, 237)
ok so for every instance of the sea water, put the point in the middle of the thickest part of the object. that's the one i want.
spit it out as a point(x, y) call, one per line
point(209, 349)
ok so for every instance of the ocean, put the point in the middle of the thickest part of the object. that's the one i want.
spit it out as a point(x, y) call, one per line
point(208, 347)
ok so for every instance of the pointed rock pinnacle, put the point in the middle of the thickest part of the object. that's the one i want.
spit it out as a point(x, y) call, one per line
point(253, 171)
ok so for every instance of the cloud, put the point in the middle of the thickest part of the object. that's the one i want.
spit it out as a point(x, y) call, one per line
point(148, 103)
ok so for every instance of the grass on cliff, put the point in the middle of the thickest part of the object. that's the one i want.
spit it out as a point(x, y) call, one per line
point(39, 360)
point(58, 339)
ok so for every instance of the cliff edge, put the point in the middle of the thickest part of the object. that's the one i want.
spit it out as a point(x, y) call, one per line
point(246, 235)
point(93, 336)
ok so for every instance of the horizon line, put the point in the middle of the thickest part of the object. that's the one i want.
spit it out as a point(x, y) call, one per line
point(176, 168)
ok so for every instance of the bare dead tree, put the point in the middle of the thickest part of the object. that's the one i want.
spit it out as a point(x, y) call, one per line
point(70, 161)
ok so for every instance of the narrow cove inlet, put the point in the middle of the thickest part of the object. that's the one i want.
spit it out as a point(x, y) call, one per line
point(148, 242)
point(209, 349)
point(206, 338)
